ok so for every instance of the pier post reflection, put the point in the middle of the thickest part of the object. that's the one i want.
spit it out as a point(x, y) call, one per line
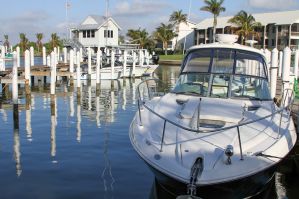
point(78, 119)
point(53, 126)
point(28, 121)
point(17, 153)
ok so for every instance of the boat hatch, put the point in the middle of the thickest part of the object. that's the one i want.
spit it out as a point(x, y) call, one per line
point(206, 123)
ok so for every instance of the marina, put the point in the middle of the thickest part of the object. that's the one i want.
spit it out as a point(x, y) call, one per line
point(134, 99)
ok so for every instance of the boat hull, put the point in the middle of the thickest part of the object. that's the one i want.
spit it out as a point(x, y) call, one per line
point(241, 188)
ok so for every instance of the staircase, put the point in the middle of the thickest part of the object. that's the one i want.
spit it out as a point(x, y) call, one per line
point(74, 43)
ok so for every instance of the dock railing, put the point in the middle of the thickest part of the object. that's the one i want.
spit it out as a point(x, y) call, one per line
point(151, 88)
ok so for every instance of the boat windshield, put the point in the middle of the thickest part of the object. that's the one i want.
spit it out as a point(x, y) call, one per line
point(224, 73)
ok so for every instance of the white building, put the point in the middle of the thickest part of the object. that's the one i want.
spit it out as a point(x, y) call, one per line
point(185, 36)
point(96, 31)
point(279, 29)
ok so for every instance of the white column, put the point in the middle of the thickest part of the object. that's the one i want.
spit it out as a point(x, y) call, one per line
point(296, 60)
point(134, 63)
point(53, 75)
point(112, 64)
point(78, 71)
point(65, 55)
point(89, 62)
point(27, 66)
point(99, 64)
point(141, 58)
point(280, 64)
point(273, 70)
point(71, 61)
point(18, 56)
point(81, 55)
point(286, 67)
point(44, 56)
point(125, 63)
point(31, 56)
point(15, 79)
point(48, 60)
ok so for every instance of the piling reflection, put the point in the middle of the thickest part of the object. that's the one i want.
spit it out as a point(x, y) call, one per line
point(17, 152)
point(53, 127)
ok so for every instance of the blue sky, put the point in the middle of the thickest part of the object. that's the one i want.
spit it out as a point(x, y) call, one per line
point(48, 16)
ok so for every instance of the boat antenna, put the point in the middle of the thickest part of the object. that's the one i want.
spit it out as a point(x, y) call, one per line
point(67, 6)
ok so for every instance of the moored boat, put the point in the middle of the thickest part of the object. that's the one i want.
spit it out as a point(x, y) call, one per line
point(218, 132)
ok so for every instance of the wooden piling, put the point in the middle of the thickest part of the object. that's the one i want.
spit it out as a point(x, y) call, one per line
point(71, 69)
point(15, 92)
point(112, 69)
point(27, 75)
point(98, 69)
point(134, 64)
point(31, 56)
point(78, 77)
point(89, 65)
point(273, 71)
point(18, 56)
point(44, 56)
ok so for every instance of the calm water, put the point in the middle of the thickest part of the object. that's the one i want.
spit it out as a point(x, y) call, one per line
point(82, 150)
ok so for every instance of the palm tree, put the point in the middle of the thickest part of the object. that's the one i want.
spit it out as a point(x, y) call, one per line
point(214, 7)
point(246, 23)
point(164, 33)
point(177, 17)
point(39, 44)
point(24, 42)
point(54, 41)
point(6, 42)
point(139, 36)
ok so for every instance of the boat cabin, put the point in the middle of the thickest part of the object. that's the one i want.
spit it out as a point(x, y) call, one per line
point(221, 71)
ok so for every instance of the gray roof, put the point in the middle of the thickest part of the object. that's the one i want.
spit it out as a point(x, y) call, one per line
point(278, 18)
point(100, 21)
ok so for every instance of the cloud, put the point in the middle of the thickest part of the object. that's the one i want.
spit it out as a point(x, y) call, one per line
point(139, 8)
point(273, 4)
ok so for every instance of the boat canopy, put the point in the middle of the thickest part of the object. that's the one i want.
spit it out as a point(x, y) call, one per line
point(225, 73)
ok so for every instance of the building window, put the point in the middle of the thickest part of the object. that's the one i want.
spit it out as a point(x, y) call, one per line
point(88, 33)
point(273, 29)
point(108, 33)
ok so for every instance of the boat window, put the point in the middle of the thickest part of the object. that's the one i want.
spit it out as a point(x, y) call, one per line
point(192, 83)
point(250, 87)
point(223, 61)
point(219, 87)
point(198, 61)
point(250, 64)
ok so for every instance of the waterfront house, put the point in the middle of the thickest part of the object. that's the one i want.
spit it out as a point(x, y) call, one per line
point(279, 29)
point(96, 31)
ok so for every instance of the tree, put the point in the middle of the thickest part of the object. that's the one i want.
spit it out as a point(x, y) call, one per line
point(246, 24)
point(23, 42)
point(6, 42)
point(39, 44)
point(214, 7)
point(164, 33)
point(140, 37)
point(177, 17)
point(55, 42)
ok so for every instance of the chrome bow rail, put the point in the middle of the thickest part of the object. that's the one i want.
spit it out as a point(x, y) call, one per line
point(153, 87)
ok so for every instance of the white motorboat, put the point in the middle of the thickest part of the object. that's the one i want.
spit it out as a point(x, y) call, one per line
point(217, 133)
point(105, 73)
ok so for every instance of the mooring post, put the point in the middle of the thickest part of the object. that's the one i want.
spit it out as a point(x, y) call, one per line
point(81, 55)
point(78, 77)
point(286, 64)
point(65, 55)
point(27, 75)
point(2, 59)
point(273, 71)
point(31, 56)
point(147, 58)
point(53, 76)
point(44, 56)
point(98, 69)
point(15, 91)
point(141, 57)
point(71, 68)
point(134, 64)
point(18, 56)
point(125, 67)
point(89, 65)
point(280, 64)
point(48, 61)
point(112, 69)
point(57, 55)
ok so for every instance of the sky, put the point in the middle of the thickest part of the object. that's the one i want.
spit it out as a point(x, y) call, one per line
point(49, 16)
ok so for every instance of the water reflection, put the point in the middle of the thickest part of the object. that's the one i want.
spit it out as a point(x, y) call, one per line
point(99, 123)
